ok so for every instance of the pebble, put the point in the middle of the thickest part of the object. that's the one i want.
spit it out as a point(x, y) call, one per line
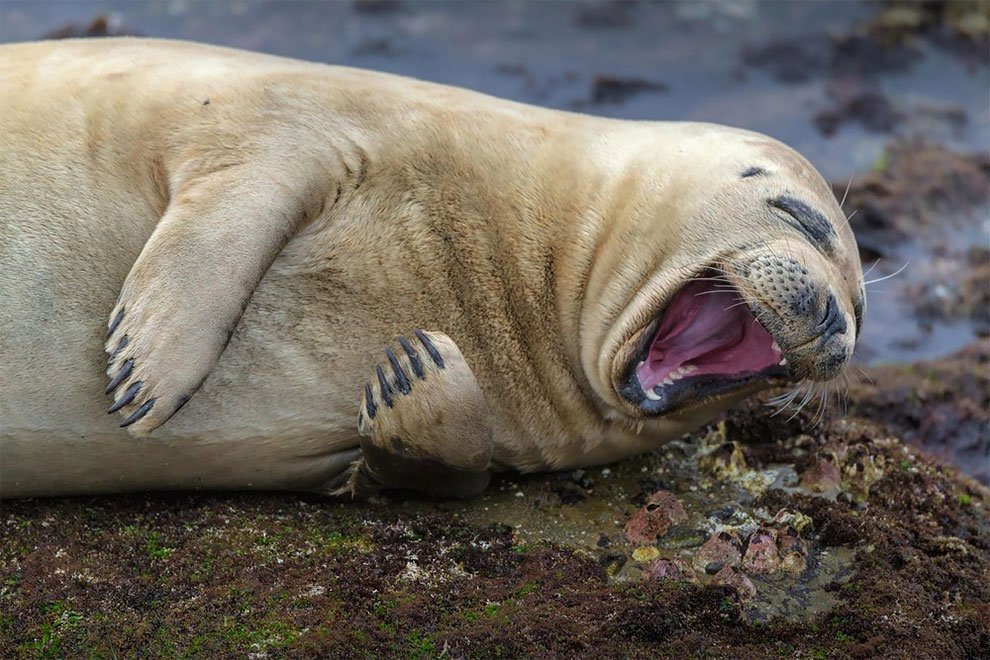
point(661, 511)
point(722, 547)
point(646, 553)
point(733, 577)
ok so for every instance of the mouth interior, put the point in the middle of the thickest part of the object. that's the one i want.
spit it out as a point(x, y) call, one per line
point(706, 330)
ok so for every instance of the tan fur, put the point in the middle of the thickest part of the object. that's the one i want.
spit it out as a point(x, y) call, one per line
point(343, 208)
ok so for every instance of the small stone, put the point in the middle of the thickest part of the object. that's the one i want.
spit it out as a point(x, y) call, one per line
point(762, 556)
point(733, 577)
point(793, 551)
point(646, 553)
point(723, 547)
point(713, 567)
point(667, 569)
point(823, 476)
point(613, 563)
point(680, 537)
point(603, 541)
point(792, 518)
point(662, 510)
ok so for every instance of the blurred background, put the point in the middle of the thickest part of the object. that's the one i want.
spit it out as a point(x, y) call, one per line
point(889, 99)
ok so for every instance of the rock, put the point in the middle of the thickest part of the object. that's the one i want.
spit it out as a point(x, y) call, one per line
point(723, 548)
point(646, 553)
point(793, 551)
point(824, 476)
point(761, 555)
point(668, 569)
point(733, 577)
point(661, 511)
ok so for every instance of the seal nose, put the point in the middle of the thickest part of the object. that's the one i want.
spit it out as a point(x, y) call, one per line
point(833, 322)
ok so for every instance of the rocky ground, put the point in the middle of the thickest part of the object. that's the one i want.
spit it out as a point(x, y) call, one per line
point(858, 528)
point(760, 535)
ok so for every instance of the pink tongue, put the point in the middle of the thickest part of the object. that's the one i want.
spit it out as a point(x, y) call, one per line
point(708, 330)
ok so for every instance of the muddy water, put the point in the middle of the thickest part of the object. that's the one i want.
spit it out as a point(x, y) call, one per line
point(780, 68)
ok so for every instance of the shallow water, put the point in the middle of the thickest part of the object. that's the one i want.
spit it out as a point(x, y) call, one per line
point(687, 58)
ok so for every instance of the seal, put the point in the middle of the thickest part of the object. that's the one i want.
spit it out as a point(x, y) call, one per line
point(249, 246)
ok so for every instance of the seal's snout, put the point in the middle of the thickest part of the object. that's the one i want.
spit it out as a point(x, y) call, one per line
point(829, 351)
point(833, 322)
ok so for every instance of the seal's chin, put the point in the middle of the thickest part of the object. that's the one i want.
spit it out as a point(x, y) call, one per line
point(707, 343)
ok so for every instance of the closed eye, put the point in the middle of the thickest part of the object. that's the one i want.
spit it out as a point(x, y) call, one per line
point(806, 220)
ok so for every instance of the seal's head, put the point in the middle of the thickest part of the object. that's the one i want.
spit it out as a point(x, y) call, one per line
point(747, 276)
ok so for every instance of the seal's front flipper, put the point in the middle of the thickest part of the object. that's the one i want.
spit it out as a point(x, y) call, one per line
point(424, 422)
point(185, 293)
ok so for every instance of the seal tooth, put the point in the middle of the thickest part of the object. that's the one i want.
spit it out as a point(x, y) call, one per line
point(689, 368)
point(652, 395)
point(783, 362)
point(775, 346)
point(668, 381)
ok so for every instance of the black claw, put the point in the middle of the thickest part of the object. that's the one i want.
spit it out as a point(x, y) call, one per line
point(401, 381)
point(125, 371)
point(369, 401)
point(124, 400)
point(386, 390)
point(417, 364)
point(121, 345)
point(430, 348)
point(139, 413)
point(116, 321)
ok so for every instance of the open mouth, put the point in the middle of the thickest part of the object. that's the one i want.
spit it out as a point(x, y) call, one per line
point(707, 343)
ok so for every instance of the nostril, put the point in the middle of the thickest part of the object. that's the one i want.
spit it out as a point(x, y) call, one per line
point(833, 322)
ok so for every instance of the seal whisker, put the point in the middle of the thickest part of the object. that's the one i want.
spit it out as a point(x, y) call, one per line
point(785, 401)
point(870, 269)
point(846, 193)
point(887, 277)
point(866, 376)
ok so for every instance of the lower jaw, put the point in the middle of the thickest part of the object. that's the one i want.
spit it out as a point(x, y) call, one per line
point(690, 393)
